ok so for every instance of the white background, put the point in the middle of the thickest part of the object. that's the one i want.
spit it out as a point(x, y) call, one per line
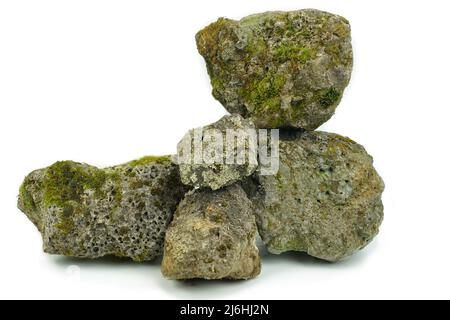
point(108, 81)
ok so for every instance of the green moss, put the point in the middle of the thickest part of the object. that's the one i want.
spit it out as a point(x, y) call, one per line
point(217, 83)
point(292, 243)
point(294, 53)
point(345, 139)
point(329, 98)
point(265, 93)
point(67, 180)
point(68, 252)
point(26, 198)
point(117, 192)
point(64, 184)
point(120, 254)
point(338, 56)
point(149, 160)
point(276, 121)
point(207, 39)
point(342, 29)
point(66, 224)
point(257, 46)
point(305, 34)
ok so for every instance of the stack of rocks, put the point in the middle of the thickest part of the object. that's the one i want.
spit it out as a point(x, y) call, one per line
point(276, 70)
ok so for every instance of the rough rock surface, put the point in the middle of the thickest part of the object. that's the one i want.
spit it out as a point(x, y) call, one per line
point(282, 69)
point(82, 211)
point(212, 236)
point(325, 199)
point(217, 173)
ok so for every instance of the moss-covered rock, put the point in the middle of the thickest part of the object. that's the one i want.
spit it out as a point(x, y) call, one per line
point(282, 69)
point(82, 211)
point(325, 199)
point(212, 236)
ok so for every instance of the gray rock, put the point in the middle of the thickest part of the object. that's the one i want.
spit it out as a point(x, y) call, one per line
point(86, 212)
point(212, 236)
point(325, 199)
point(282, 69)
point(218, 165)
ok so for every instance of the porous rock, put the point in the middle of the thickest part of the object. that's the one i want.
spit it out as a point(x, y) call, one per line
point(282, 69)
point(212, 236)
point(86, 212)
point(325, 200)
point(210, 163)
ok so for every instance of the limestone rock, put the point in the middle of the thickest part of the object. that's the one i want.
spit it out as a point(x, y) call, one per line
point(325, 199)
point(86, 212)
point(212, 236)
point(219, 165)
point(282, 69)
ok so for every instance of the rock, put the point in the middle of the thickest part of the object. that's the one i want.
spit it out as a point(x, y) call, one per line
point(86, 212)
point(212, 236)
point(216, 168)
point(325, 199)
point(282, 69)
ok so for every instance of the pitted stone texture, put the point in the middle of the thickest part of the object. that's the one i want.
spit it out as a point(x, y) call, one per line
point(212, 236)
point(325, 199)
point(86, 212)
point(217, 173)
point(282, 69)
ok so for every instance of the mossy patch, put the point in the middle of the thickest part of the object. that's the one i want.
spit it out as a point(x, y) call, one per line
point(294, 53)
point(217, 83)
point(26, 198)
point(66, 224)
point(291, 243)
point(257, 46)
point(64, 184)
point(265, 93)
point(67, 180)
point(329, 98)
point(148, 160)
point(207, 38)
point(345, 139)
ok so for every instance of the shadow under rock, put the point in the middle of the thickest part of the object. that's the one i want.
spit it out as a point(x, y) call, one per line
point(304, 259)
point(200, 288)
point(108, 261)
point(292, 258)
point(215, 289)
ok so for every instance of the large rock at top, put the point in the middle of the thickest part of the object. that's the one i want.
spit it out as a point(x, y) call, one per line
point(86, 212)
point(212, 236)
point(325, 199)
point(282, 69)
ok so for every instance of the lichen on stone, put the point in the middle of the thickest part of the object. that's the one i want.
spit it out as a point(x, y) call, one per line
point(325, 199)
point(86, 212)
point(212, 236)
point(221, 161)
point(282, 69)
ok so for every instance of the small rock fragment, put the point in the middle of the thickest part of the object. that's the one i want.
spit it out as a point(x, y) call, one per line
point(218, 155)
point(86, 212)
point(282, 69)
point(325, 199)
point(212, 236)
